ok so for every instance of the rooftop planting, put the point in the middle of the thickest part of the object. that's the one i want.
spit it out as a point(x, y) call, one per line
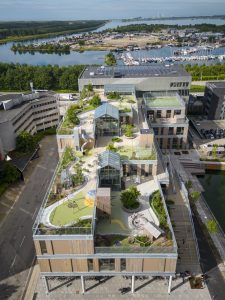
point(129, 198)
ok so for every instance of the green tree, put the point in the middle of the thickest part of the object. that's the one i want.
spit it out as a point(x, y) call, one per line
point(10, 173)
point(212, 226)
point(95, 101)
point(129, 197)
point(71, 114)
point(25, 142)
point(214, 151)
point(110, 59)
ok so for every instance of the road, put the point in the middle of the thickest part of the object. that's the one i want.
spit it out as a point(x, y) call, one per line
point(16, 245)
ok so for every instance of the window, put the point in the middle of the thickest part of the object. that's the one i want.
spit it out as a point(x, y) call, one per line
point(107, 264)
point(170, 131)
point(43, 247)
point(177, 112)
point(180, 130)
point(156, 131)
point(90, 265)
point(123, 264)
point(158, 114)
point(168, 113)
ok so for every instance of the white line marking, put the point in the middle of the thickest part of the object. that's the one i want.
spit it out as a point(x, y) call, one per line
point(34, 213)
point(13, 262)
point(25, 211)
point(22, 241)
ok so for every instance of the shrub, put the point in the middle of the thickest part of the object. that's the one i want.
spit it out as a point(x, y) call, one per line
point(188, 184)
point(71, 115)
point(129, 198)
point(144, 240)
point(195, 195)
point(116, 139)
point(113, 96)
point(128, 130)
point(212, 226)
point(111, 147)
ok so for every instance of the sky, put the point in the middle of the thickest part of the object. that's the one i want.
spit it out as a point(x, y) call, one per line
point(105, 9)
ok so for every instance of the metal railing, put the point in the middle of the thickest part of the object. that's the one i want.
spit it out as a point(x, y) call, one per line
point(136, 249)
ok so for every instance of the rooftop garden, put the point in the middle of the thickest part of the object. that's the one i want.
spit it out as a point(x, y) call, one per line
point(71, 118)
point(155, 201)
point(72, 211)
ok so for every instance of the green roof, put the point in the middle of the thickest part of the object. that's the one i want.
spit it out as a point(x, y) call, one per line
point(163, 102)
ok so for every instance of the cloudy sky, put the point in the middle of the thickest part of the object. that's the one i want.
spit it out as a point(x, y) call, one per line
point(104, 9)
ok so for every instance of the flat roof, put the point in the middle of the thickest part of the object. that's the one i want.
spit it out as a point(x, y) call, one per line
point(154, 102)
point(216, 84)
point(7, 115)
point(134, 71)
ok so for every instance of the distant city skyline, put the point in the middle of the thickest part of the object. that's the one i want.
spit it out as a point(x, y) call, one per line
point(105, 9)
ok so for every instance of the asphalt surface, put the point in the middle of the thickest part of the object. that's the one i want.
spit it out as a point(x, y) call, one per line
point(16, 244)
point(214, 278)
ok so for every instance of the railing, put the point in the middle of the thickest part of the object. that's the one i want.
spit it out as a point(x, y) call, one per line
point(136, 249)
point(63, 231)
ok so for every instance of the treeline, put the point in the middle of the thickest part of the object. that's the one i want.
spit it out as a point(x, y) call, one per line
point(158, 27)
point(43, 48)
point(14, 30)
point(16, 77)
point(203, 72)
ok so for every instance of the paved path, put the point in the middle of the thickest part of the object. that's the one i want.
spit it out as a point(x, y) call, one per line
point(16, 244)
point(145, 290)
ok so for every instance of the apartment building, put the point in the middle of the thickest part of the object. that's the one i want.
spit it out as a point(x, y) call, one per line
point(166, 114)
point(214, 100)
point(26, 112)
point(137, 79)
point(83, 228)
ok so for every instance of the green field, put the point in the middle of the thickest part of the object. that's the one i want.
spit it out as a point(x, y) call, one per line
point(71, 211)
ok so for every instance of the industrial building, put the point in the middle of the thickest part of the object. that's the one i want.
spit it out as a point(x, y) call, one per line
point(31, 112)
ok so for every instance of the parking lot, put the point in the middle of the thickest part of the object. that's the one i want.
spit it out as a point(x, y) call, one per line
point(210, 129)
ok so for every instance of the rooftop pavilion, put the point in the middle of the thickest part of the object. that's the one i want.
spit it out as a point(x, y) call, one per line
point(133, 71)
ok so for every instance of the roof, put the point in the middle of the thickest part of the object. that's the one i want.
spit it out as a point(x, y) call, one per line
point(107, 109)
point(216, 84)
point(134, 71)
point(7, 115)
point(109, 158)
point(170, 101)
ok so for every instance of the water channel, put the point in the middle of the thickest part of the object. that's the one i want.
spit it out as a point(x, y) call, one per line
point(213, 183)
point(97, 57)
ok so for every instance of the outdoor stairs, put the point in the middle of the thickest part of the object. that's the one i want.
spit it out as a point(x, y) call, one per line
point(196, 168)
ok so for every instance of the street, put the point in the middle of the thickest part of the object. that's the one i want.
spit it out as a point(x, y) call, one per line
point(16, 244)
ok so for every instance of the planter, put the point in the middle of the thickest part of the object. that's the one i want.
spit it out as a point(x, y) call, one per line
point(130, 211)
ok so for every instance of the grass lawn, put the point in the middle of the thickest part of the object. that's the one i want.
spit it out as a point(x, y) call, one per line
point(71, 211)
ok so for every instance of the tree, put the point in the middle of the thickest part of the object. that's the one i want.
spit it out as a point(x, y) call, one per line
point(25, 142)
point(10, 173)
point(95, 101)
point(110, 59)
point(129, 198)
point(212, 226)
point(214, 151)
point(72, 114)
